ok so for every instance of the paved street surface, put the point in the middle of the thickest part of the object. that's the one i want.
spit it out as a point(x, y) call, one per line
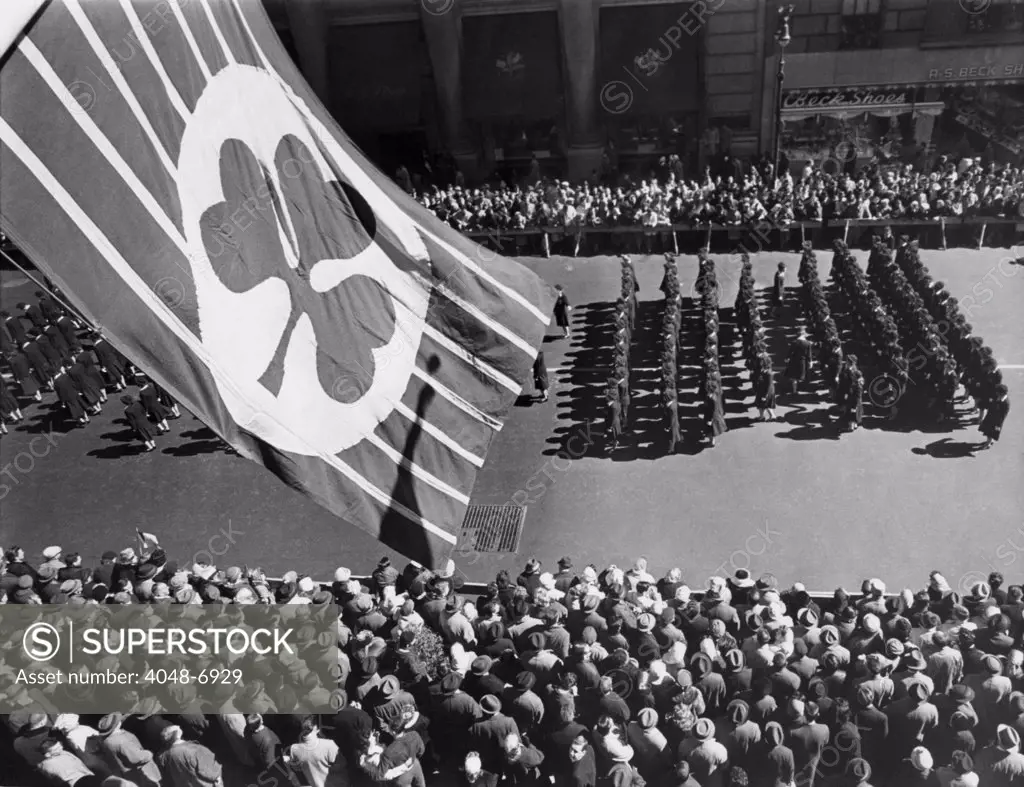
point(894, 499)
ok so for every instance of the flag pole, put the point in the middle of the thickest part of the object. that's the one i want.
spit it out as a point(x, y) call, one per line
point(42, 286)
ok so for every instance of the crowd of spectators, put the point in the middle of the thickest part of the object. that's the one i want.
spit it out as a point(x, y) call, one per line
point(747, 195)
point(581, 677)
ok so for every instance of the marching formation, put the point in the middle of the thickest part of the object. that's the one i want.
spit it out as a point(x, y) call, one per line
point(49, 355)
point(712, 402)
point(618, 384)
point(757, 359)
point(670, 341)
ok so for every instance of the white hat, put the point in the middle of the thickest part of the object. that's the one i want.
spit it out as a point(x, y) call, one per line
point(342, 574)
point(203, 571)
point(306, 585)
point(921, 758)
point(448, 571)
point(876, 585)
point(50, 553)
point(547, 580)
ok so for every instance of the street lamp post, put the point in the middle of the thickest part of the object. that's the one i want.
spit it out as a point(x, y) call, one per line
point(782, 38)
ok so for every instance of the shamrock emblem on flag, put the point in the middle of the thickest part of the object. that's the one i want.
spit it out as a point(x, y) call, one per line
point(308, 309)
point(511, 64)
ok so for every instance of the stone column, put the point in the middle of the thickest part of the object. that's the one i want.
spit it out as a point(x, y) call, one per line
point(579, 29)
point(443, 33)
point(310, 27)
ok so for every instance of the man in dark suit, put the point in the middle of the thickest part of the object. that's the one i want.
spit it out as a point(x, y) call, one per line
point(487, 736)
point(69, 396)
point(111, 362)
point(33, 315)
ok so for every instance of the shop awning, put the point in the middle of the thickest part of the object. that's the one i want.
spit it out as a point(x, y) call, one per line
point(511, 66)
point(934, 108)
point(650, 59)
point(906, 66)
point(371, 88)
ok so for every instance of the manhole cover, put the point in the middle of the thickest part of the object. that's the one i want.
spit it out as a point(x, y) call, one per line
point(492, 528)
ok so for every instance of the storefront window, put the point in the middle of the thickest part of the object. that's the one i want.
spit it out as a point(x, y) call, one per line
point(985, 120)
point(987, 16)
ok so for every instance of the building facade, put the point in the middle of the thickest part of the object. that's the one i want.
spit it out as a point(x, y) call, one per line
point(501, 83)
point(898, 79)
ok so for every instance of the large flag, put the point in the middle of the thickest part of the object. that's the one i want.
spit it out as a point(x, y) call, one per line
point(166, 165)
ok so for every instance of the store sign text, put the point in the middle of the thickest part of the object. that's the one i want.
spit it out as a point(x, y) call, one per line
point(841, 98)
point(978, 72)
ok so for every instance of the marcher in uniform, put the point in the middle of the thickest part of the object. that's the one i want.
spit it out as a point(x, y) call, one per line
point(135, 414)
point(9, 410)
point(154, 407)
point(562, 309)
point(540, 377)
point(68, 395)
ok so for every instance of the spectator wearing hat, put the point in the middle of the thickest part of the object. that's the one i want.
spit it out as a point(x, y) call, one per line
point(807, 737)
point(609, 702)
point(566, 577)
point(31, 738)
point(945, 664)
point(530, 577)
point(264, 745)
point(47, 586)
point(524, 706)
point(872, 723)
point(1002, 763)
point(53, 556)
point(186, 763)
point(910, 720)
point(651, 757)
point(877, 677)
point(960, 772)
point(741, 736)
point(480, 682)
point(540, 659)
point(487, 735)
point(707, 757)
point(83, 741)
point(131, 760)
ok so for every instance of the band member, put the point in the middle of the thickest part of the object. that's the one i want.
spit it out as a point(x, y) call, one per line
point(135, 414)
point(715, 414)
point(540, 377)
point(562, 309)
point(15, 327)
point(92, 393)
point(613, 419)
point(166, 400)
point(798, 365)
point(48, 307)
point(622, 378)
point(995, 414)
point(33, 315)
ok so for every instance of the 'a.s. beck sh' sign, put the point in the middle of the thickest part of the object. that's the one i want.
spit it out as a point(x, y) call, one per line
point(850, 98)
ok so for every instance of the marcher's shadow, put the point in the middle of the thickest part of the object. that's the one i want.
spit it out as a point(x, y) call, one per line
point(124, 436)
point(118, 451)
point(946, 449)
point(811, 425)
point(526, 400)
point(196, 448)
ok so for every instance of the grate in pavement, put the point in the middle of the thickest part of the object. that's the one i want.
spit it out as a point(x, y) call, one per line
point(492, 529)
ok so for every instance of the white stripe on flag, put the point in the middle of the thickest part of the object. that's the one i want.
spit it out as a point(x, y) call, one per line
point(187, 32)
point(115, 74)
point(455, 399)
point(147, 46)
point(161, 310)
point(472, 360)
point(324, 134)
point(404, 411)
point(103, 145)
point(228, 54)
point(469, 308)
point(425, 476)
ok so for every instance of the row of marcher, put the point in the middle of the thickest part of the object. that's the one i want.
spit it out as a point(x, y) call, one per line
point(976, 364)
point(747, 315)
point(617, 393)
point(670, 341)
point(934, 374)
point(711, 399)
point(48, 354)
